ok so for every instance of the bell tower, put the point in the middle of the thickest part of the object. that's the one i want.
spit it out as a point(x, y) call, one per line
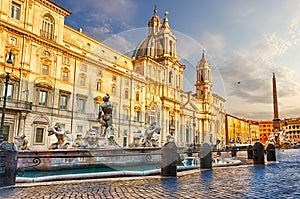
point(204, 83)
point(204, 97)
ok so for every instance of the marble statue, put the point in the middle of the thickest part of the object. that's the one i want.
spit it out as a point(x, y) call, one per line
point(91, 139)
point(22, 142)
point(64, 138)
point(147, 139)
point(79, 142)
point(105, 117)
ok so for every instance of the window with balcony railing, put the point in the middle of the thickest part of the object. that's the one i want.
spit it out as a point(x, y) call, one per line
point(43, 98)
point(47, 30)
point(63, 102)
point(10, 90)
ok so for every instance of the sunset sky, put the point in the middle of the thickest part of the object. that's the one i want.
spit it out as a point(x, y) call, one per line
point(246, 41)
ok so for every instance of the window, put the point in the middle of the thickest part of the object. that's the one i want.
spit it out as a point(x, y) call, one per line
point(114, 78)
point(113, 90)
point(13, 40)
point(66, 60)
point(48, 27)
point(39, 135)
point(126, 94)
point(5, 133)
point(43, 98)
point(63, 102)
point(124, 141)
point(15, 10)
point(45, 69)
point(81, 105)
point(99, 85)
point(137, 97)
point(82, 81)
point(170, 77)
point(65, 76)
point(79, 129)
point(10, 89)
point(83, 67)
point(137, 116)
point(126, 114)
point(202, 74)
point(171, 47)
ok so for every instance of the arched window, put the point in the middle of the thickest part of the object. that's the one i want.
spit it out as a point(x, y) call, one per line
point(99, 85)
point(48, 27)
point(65, 74)
point(170, 77)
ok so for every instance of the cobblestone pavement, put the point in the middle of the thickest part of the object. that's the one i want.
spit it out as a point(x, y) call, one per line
point(277, 180)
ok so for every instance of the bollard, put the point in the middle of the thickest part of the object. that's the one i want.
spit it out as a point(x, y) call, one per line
point(205, 156)
point(250, 152)
point(169, 159)
point(271, 154)
point(233, 151)
point(258, 153)
point(8, 164)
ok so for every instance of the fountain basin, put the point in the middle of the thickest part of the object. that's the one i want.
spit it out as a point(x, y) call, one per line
point(87, 158)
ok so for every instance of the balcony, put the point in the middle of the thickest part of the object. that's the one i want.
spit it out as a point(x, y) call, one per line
point(16, 104)
point(48, 35)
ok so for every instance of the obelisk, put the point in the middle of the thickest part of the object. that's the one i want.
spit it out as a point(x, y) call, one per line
point(276, 120)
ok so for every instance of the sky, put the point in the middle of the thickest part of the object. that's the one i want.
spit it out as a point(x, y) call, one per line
point(245, 41)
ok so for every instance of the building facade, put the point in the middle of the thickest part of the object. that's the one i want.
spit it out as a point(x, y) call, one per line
point(265, 129)
point(254, 131)
point(291, 127)
point(60, 75)
point(237, 131)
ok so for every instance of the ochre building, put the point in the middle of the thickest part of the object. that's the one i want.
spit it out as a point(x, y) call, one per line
point(60, 75)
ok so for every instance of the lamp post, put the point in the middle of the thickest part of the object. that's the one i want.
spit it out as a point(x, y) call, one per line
point(7, 77)
point(194, 131)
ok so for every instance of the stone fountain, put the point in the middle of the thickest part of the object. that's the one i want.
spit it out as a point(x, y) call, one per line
point(97, 148)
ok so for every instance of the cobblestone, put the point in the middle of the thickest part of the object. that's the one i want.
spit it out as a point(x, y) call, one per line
point(279, 180)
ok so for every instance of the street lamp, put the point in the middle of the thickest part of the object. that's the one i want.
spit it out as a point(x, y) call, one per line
point(7, 77)
point(194, 131)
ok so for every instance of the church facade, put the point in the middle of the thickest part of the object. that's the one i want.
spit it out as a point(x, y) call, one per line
point(60, 75)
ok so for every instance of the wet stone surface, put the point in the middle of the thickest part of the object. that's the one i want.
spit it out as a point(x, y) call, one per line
point(278, 180)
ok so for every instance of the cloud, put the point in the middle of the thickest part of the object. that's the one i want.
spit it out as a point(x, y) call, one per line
point(253, 68)
point(102, 18)
point(213, 42)
point(100, 9)
point(99, 32)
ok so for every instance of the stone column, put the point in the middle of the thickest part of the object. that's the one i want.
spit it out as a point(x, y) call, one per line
point(22, 124)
